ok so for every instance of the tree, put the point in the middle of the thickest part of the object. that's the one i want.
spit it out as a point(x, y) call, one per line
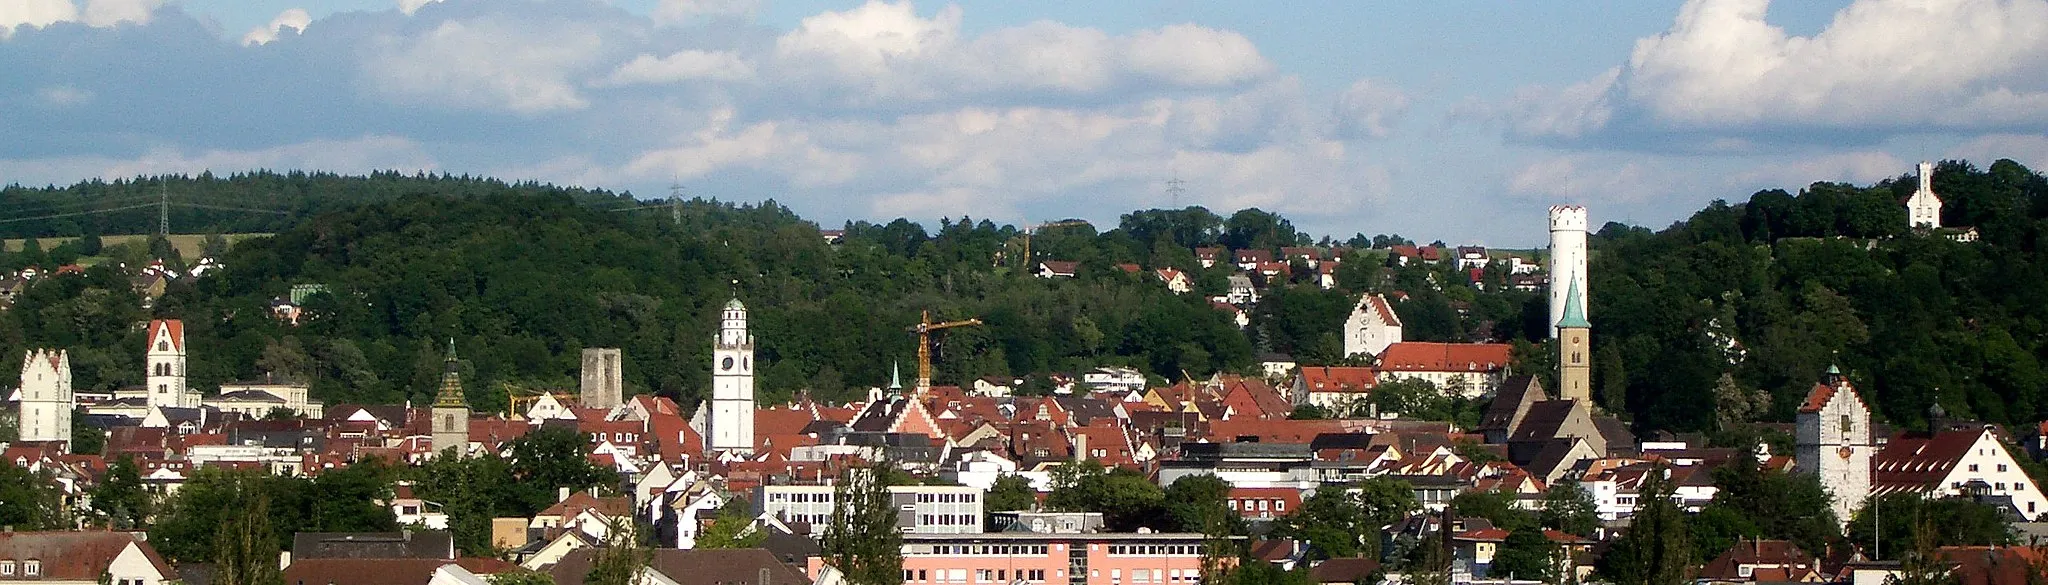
point(86, 439)
point(120, 498)
point(1526, 554)
point(550, 458)
point(1657, 549)
point(622, 558)
point(246, 549)
point(29, 500)
point(1011, 492)
point(521, 577)
point(1570, 509)
point(1126, 499)
point(1922, 564)
point(1334, 523)
point(1789, 506)
point(1198, 503)
point(1896, 522)
point(1497, 506)
point(862, 540)
point(734, 528)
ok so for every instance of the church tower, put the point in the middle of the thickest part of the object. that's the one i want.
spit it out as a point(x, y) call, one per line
point(1834, 442)
point(1567, 260)
point(166, 361)
point(451, 409)
point(601, 374)
point(731, 424)
point(1923, 209)
point(1574, 351)
point(46, 401)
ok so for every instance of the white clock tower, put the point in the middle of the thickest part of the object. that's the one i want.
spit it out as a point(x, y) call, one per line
point(731, 424)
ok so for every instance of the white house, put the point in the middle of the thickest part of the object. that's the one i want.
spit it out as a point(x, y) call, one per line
point(81, 558)
point(1176, 281)
point(1114, 379)
point(932, 509)
point(1970, 463)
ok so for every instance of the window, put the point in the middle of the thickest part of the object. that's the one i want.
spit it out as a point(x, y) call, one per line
point(1973, 467)
point(6, 568)
point(2001, 468)
point(1279, 505)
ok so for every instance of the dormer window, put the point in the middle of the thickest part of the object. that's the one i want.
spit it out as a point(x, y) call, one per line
point(6, 568)
point(32, 568)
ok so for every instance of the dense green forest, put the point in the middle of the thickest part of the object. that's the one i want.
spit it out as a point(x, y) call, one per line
point(1720, 319)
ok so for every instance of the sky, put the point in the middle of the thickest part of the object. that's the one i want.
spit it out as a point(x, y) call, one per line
point(1451, 120)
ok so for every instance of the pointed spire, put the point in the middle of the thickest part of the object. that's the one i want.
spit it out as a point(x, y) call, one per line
point(1574, 315)
point(895, 376)
point(451, 395)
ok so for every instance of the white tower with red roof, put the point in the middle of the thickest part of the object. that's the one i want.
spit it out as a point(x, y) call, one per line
point(1834, 442)
point(166, 359)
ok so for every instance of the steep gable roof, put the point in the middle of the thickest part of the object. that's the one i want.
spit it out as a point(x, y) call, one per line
point(79, 556)
point(1444, 357)
point(171, 330)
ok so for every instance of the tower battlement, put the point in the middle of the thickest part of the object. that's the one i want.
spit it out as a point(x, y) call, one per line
point(1568, 218)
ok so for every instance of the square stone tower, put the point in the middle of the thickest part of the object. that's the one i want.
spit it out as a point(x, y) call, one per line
point(1834, 442)
point(602, 372)
point(46, 401)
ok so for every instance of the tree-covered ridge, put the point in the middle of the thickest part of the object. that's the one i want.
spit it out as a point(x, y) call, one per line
point(1772, 291)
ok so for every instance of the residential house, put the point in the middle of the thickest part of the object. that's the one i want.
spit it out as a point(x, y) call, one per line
point(1176, 281)
point(1058, 269)
point(1334, 388)
point(82, 558)
point(1118, 379)
point(1208, 257)
point(1472, 370)
point(1249, 260)
point(1307, 255)
point(1762, 561)
point(1472, 258)
point(1968, 463)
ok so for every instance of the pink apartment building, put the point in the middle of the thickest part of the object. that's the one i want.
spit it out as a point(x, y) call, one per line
point(1005, 558)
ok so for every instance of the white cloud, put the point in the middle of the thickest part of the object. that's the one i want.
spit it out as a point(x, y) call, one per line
point(63, 96)
point(104, 13)
point(410, 7)
point(34, 13)
point(680, 11)
point(294, 18)
point(524, 67)
point(99, 13)
point(1196, 56)
point(1879, 65)
point(1368, 107)
point(682, 66)
point(1800, 171)
point(1589, 179)
point(884, 53)
point(2026, 149)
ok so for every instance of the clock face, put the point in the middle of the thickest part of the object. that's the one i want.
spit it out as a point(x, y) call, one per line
point(725, 365)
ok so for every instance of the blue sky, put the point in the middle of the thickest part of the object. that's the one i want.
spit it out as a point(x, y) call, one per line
point(1453, 120)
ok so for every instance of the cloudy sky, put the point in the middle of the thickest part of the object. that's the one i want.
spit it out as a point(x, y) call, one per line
point(1446, 120)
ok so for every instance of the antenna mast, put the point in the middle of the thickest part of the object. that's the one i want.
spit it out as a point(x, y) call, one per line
point(1174, 187)
point(163, 211)
point(675, 202)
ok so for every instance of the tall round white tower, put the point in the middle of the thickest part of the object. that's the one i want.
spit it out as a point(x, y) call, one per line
point(1567, 260)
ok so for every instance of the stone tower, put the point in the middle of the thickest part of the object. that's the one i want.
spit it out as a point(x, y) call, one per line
point(1834, 441)
point(166, 361)
point(731, 424)
point(1567, 260)
point(46, 401)
point(1574, 350)
point(1923, 209)
point(451, 409)
point(601, 375)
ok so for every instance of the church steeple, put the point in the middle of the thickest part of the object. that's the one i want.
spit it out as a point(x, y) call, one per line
point(1574, 350)
point(895, 376)
point(451, 395)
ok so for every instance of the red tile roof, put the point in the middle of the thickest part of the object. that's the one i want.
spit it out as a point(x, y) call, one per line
point(1354, 379)
point(78, 556)
point(173, 328)
point(1412, 356)
point(1918, 463)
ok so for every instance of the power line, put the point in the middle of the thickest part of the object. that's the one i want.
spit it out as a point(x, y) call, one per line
point(78, 213)
point(228, 208)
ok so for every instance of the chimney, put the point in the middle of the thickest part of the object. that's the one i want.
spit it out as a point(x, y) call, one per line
point(562, 494)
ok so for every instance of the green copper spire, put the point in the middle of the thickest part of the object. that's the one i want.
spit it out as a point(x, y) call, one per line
point(1574, 315)
point(895, 376)
point(451, 382)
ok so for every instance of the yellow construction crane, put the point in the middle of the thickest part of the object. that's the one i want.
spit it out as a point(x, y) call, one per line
point(924, 329)
point(1034, 229)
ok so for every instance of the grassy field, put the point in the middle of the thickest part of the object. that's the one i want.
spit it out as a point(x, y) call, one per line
point(188, 245)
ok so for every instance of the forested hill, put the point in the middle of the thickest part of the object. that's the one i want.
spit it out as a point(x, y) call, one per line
point(1773, 290)
point(1727, 317)
point(260, 202)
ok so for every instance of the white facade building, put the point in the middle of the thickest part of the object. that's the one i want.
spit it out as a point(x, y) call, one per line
point(731, 424)
point(165, 379)
point(1567, 259)
point(1923, 209)
point(1114, 379)
point(46, 399)
point(921, 509)
point(1835, 443)
point(1372, 326)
